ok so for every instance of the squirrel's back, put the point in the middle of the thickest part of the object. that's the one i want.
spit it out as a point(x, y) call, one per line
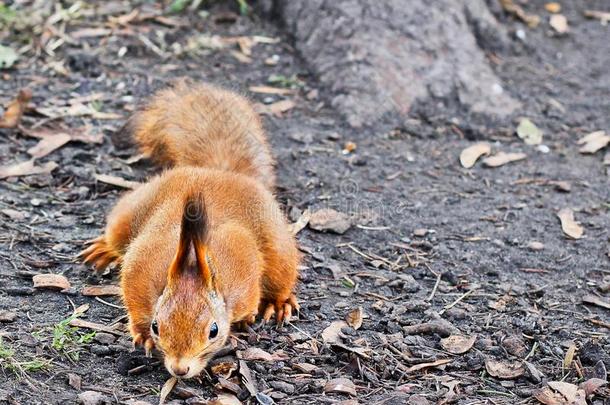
point(202, 125)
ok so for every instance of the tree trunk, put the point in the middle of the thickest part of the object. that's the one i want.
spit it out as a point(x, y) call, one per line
point(382, 58)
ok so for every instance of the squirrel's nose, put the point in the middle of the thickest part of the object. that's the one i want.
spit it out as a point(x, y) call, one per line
point(180, 371)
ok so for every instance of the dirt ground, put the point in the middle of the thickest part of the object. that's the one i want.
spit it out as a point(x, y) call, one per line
point(434, 249)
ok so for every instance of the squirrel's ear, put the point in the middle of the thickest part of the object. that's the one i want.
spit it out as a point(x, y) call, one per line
point(191, 256)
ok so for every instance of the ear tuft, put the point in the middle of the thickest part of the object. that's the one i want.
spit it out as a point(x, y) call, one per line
point(194, 221)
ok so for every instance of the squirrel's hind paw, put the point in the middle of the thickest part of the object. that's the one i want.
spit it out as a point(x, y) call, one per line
point(281, 309)
point(99, 254)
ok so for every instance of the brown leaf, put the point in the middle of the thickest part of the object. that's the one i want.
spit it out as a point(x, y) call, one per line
point(305, 367)
point(502, 158)
point(503, 369)
point(15, 109)
point(422, 366)
point(116, 181)
point(328, 219)
point(48, 145)
point(101, 290)
point(593, 142)
point(568, 225)
point(571, 392)
point(332, 334)
point(301, 223)
point(255, 353)
point(341, 386)
point(26, 168)
point(471, 154)
point(80, 323)
point(592, 385)
point(458, 344)
point(52, 281)
point(548, 397)
point(354, 318)
point(280, 107)
point(167, 388)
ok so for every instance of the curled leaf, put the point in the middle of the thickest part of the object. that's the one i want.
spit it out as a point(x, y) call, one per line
point(569, 225)
point(503, 369)
point(471, 154)
point(167, 388)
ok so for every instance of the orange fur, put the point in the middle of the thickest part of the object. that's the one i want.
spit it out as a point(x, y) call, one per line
point(247, 260)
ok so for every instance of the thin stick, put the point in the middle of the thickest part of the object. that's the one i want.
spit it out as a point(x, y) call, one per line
point(454, 303)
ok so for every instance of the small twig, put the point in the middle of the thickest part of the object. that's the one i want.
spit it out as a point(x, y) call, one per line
point(438, 281)
point(454, 303)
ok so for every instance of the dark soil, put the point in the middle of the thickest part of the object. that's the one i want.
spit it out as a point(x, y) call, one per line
point(431, 241)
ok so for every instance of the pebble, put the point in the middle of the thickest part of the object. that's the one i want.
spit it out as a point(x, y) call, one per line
point(100, 350)
point(104, 338)
point(7, 316)
point(535, 246)
point(91, 398)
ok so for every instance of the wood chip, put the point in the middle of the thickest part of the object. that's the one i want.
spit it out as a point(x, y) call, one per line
point(354, 318)
point(594, 300)
point(593, 142)
point(504, 369)
point(421, 366)
point(116, 181)
point(16, 108)
point(280, 107)
point(271, 90)
point(340, 386)
point(51, 281)
point(79, 323)
point(255, 353)
point(101, 290)
point(167, 389)
point(471, 154)
point(225, 399)
point(571, 392)
point(568, 225)
point(458, 344)
point(602, 16)
point(26, 168)
point(559, 23)
point(503, 158)
point(48, 145)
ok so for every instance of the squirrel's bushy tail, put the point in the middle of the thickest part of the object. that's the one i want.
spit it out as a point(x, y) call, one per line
point(202, 125)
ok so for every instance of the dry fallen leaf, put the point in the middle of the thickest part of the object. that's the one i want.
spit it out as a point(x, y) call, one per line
point(305, 367)
point(593, 142)
point(354, 318)
point(279, 107)
point(167, 388)
point(569, 226)
point(48, 145)
point(503, 369)
point(571, 392)
point(332, 334)
point(471, 154)
point(116, 181)
point(529, 132)
point(341, 386)
point(101, 290)
point(569, 357)
point(255, 353)
point(458, 344)
point(26, 168)
point(52, 281)
point(301, 223)
point(592, 385)
point(15, 109)
point(501, 158)
point(81, 323)
point(602, 16)
point(559, 22)
point(328, 219)
point(548, 397)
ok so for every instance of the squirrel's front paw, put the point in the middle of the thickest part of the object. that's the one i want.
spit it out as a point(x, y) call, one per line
point(281, 308)
point(143, 338)
point(99, 254)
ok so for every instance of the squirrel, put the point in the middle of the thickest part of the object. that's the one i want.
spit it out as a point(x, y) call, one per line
point(203, 245)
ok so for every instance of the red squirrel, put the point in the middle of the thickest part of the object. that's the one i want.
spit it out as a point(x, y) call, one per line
point(203, 245)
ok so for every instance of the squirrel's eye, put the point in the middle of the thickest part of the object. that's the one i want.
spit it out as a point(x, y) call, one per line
point(213, 330)
point(154, 326)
